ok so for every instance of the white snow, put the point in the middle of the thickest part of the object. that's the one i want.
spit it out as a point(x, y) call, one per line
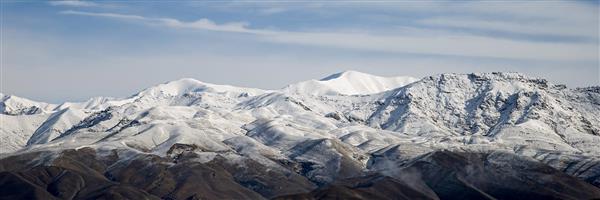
point(349, 83)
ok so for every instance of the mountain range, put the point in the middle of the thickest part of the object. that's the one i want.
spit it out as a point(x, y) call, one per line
point(350, 135)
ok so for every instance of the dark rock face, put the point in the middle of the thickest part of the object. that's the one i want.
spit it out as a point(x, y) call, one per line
point(180, 181)
point(17, 187)
point(73, 174)
point(84, 174)
point(496, 175)
point(374, 186)
point(268, 182)
point(452, 175)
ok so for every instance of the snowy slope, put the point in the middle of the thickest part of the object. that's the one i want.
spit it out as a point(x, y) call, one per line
point(333, 128)
point(506, 107)
point(16, 130)
point(349, 83)
point(13, 105)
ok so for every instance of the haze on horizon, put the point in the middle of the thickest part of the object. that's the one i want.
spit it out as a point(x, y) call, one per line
point(72, 50)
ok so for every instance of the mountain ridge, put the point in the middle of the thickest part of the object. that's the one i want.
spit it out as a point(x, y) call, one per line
point(330, 137)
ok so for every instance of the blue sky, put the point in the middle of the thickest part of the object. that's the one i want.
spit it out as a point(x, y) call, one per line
point(73, 50)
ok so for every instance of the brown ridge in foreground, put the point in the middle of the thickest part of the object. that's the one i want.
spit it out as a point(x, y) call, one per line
point(84, 174)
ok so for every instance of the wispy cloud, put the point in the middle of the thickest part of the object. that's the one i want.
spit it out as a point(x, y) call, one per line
point(201, 24)
point(108, 15)
point(535, 18)
point(453, 45)
point(561, 28)
point(272, 10)
point(522, 27)
point(437, 44)
point(74, 3)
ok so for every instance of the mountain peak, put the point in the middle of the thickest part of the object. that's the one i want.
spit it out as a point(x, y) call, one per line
point(173, 88)
point(184, 81)
point(14, 105)
point(190, 85)
point(350, 83)
point(348, 74)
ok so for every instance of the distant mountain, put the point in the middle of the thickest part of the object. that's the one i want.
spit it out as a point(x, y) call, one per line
point(349, 83)
point(349, 135)
point(13, 105)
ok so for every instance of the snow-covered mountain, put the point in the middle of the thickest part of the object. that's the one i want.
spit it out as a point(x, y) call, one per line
point(349, 83)
point(323, 136)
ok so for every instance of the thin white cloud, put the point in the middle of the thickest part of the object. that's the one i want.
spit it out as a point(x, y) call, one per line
point(201, 24)
point(559, 18)
point(454, 45)
point(548, 11)
point(532, 28)
point(272, 10)
point(438, 44)
point(108, 15)
point(74, 3)
point(544, 18)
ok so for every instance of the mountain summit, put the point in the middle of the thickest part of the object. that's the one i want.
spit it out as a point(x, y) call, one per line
point(349, 83)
